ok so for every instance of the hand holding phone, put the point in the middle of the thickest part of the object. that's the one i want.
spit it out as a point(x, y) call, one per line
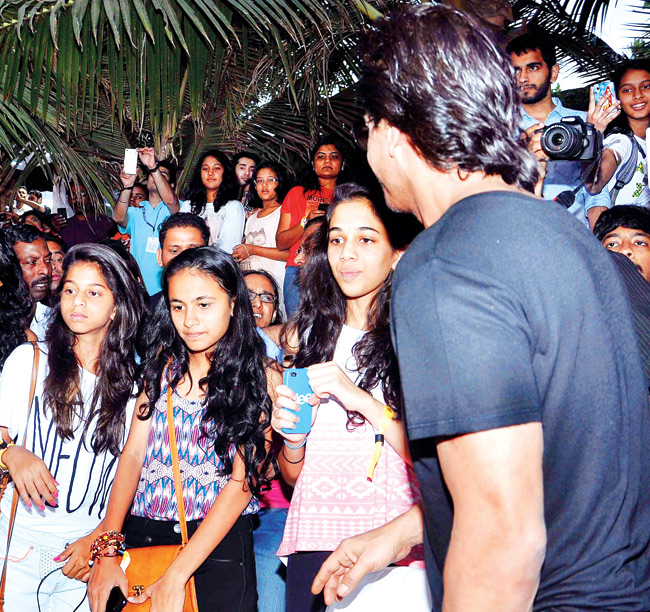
point(298, 381)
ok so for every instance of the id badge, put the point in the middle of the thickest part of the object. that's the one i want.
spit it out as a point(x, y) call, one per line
point(152, 244)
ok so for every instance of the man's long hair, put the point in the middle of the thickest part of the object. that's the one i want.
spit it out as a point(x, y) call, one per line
point(432, 72)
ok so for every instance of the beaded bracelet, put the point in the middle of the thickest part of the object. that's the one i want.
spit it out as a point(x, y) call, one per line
point(107, 544)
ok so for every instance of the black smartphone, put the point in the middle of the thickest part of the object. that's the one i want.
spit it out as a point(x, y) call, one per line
point(116, 601)
point(323, 206)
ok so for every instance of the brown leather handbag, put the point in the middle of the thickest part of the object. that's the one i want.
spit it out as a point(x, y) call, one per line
point(5, 478)
point(150, 563)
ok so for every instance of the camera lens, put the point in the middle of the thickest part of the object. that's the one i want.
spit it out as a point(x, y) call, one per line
point(557, 140)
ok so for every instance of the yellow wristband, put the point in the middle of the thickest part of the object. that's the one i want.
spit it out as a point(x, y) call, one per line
point(386, 420)
point(303, 222)
point(2, 452)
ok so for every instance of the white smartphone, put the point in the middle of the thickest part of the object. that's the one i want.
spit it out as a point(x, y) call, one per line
point(130, 161)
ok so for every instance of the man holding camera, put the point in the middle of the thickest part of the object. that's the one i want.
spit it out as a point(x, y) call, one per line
point(536, 68)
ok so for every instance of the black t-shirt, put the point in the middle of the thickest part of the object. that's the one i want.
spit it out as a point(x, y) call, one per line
point(507, 311)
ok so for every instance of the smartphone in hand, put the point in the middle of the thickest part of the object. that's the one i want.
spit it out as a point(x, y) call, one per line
point(298, 381)
point(130, 161)
point(606, 90)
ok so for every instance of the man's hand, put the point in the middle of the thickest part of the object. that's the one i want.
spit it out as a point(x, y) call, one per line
point(368, 552)
point(128, 180)
point(601, 117)
point(534, 141)
point(148, 157)
point(58, 222)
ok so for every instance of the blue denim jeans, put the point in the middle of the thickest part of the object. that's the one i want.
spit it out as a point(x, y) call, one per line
point(290, 290)
point(271, 572)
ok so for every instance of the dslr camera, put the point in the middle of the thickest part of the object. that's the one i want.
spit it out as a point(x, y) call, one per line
point(572, 139)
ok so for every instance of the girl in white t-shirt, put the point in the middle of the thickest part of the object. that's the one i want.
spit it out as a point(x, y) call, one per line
point(626, 136)
point(258, 250)
point(212, 194)
point(83, 404)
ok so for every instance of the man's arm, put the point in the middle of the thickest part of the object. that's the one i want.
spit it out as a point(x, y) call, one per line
point(498, 538)
point(165, 190)
point(120, 210)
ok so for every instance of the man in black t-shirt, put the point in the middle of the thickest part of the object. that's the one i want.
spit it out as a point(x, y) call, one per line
point(526, 408)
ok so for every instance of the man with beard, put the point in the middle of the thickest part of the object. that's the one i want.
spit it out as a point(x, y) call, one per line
point(35, 258)
point(534, 59)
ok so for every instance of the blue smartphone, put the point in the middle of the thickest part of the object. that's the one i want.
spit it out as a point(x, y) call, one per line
point(298, 381)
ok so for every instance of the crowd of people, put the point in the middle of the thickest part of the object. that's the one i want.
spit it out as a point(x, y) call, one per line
point(475, 425)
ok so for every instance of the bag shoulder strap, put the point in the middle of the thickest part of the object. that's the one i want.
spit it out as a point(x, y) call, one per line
point(178, 485)
point(14, 501)
point(626, 171)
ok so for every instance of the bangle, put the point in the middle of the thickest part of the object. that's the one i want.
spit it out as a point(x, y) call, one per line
point(292, 447)
point(7, 445)
point(386, 419)
point(289, 460)
point(247, 252)
point(107, 544)
point(303, 222)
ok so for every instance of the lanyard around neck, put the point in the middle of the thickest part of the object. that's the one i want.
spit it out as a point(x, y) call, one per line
point(155, 223)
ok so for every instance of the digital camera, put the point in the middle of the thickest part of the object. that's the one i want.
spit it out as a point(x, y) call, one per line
point(572, 139)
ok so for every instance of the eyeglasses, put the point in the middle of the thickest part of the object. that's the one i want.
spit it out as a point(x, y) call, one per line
point(265, 298)
point(360, 132)
point(270, 181)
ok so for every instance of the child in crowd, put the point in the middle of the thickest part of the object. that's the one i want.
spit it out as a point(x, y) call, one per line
point(626, 230)
point(212, 194)
point(341, 333)
point(258, 250)
point(83, 405)
point(207, 357)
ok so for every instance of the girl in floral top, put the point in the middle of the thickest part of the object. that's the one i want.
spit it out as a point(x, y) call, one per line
point(207, 348)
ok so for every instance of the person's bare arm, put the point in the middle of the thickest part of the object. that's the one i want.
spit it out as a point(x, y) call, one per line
point(498, 538)
point(287, 235)
point(165, 190)
point(605, 171)
point(368, 552)
point(244, 251)
point(120, 210)
point(106, 572)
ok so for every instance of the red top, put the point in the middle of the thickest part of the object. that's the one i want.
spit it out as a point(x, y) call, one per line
point(300, 203)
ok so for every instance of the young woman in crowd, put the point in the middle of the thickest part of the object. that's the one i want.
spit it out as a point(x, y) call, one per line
point(304, 202)
point(271, 574)
point(207, 356)
point(258, 250)
point(83, 405)
point(342, 335)
point(626, 136)
point(212, 195)
point(15, 302)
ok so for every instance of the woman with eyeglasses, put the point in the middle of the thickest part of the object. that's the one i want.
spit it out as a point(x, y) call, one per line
point(258, 250)
point(212, 194)
point(274, 504)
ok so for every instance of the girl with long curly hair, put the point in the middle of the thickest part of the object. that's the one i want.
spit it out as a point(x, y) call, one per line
point(204, 348)
point(212, 194)
point(83, 404)
point(346, 480)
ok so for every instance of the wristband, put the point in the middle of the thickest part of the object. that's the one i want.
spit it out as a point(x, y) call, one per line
point(386, 420)
point(298, 447)
point(126, 189)
point(5, 446)
point(303, 222)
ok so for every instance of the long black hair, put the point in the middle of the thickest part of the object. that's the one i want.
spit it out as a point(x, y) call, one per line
point(322, 311)
point(228, 190)
point(621, 123)
point(116, 369)
point(237, 404)
point(280, 190)
point(15, 302)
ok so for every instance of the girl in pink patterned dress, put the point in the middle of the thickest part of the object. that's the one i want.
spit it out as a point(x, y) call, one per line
point(342, 334)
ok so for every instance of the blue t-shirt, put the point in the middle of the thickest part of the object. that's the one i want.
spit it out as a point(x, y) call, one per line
point(508, 311)
point(144, 223)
